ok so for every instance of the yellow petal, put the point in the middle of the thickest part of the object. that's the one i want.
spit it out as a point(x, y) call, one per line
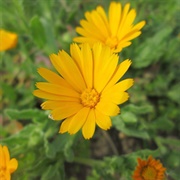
point(89, 126)
point(102, 13)
point(13, 164)
point(65, 125)
point(115, 96)
point(76, 54)
point(7, 175)
point(6, 154)
point(122, 45)
point(57, 89)
point(107, 108)
point(8, 40)
point(68, 69)
point(90, 28)
point(133, 32)
point(82, 31)
point(78, 120)
point(130, 36)
point(103, 73)
point(120, 71)
point(87, 65)
point(123, 85)
point(114, 17)
point(66, 110)
point(46, 95)
point(127, 25)
point(102, 120)
point(139, 25)
point(99, 23)
point(84, 61)
point(97, 49)
point(123, 18)
point(52, 77)
point(2, 157)
point(49, 105)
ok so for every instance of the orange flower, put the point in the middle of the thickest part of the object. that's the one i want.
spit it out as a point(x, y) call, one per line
point(7, 165)
point(8, 40)
point(150, 169)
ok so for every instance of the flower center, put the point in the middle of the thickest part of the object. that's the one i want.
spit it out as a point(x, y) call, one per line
point(89, 97)
point(149, 173)
point(111, 42)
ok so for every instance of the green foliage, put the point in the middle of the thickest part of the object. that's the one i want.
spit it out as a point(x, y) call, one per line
point(36, 27)
point(150, 119)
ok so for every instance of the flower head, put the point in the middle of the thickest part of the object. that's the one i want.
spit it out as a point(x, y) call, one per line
point(150, 169)
point(115, 30)
point(87, 92)
point(7, 165)
point(8, 40)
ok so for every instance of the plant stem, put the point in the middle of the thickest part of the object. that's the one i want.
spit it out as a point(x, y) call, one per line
point(110, 141)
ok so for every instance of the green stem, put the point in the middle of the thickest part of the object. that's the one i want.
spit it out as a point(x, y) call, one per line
point(88, 162)
point(110, 141)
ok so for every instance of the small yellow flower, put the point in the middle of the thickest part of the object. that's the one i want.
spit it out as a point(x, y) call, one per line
point(150, 169)
point(7, 165)
point(8, 40)
point(116, 30)
point(87, 92)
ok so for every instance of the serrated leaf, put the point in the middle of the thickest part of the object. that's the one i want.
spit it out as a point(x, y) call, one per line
point(120, 125)
point(62, 143)
point(26, 114)
point(21, 137)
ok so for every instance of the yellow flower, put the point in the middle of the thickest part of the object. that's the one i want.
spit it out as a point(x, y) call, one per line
point(7, 166)
point(8, 40)
point(87, 92)
point(116, 30)
point(150, 169)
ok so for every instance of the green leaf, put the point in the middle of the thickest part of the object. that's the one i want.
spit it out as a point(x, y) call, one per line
point(128, 117)
point(162, 123)
point(54, 171)
point(36, 137)
point(37, 32)
point(21, 138)
point(8, 92)
point(62, 143)
point(130, 131)
point(143, 109)
point(169, 141)
point(152, 49)
point(50, 37)
point(174, 94)
point(26, 114)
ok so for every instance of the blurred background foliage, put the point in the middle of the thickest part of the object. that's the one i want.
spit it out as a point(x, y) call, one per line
point(149, 122)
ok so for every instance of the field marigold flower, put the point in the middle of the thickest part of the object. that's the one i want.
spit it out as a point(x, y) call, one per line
point(8, 40)
point(115, 30)
point(7, 165)
point(87, 92)
point(150, 169)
